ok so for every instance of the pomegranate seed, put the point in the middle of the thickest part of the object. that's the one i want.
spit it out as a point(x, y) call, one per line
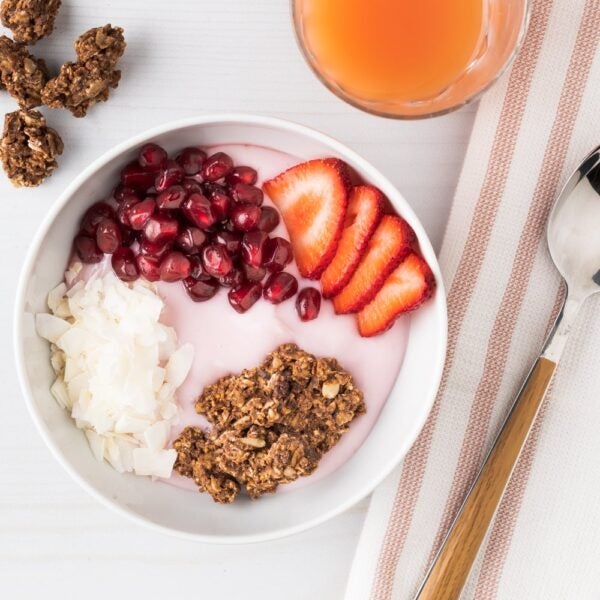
point(154, 249)
point(254, 274)
point(134, 176)
point(191, 160)
point(171, 174)
point(245, 296)
point(197, 270)
point(93, 215)
point(87, 249)
point(233, 279)
point(277, 254)
point(161, 227)
point(152, 158)
point(191, 186)
point(139, 214)
point(199, 211)
point(216, 260)
point(269, 219)
point(200, 290)
point(219, 200)
point(228, 226)
point(280, 287)
point(308, 304)
point(216, 166)
point(231, 240)
point(124, 208)
point(245, 217)
point(190, 239)
point(253, 244)
point(129, 236)
point(242, 174)
point(148, 267)
point(124, 264)
point(174, 267)
point(172, 198)
point(248, 194)
point(108, 236)
point(122, 192)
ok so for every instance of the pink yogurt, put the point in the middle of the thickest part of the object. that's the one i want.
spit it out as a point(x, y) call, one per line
point(226, 342)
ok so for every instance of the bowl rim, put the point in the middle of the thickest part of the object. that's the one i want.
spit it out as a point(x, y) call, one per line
point(212, 119)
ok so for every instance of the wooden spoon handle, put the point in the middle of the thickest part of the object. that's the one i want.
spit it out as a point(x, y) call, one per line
point(453, 563)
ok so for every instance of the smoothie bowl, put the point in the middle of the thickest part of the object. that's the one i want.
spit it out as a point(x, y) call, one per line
point(230, 328)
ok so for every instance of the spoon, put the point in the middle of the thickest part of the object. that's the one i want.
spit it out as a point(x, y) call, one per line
point(574, 243)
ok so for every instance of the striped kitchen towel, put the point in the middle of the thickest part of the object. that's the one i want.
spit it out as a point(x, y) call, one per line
point(532, 129)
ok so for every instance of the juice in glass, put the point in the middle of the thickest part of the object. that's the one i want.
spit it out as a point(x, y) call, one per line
point(386, 55)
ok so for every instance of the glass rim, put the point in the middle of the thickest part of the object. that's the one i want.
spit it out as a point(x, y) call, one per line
point(399, 116)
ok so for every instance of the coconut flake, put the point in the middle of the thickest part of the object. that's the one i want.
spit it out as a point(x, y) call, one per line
point(73, 272)
point(118, 368)
point(129, 424)
point(157, 436)
point(179, 365)
point(57, 359)
point(63, 310)
point(155, 463)
point(50, 327)
point(97, 444)
point(60, 393)
point(55, 297)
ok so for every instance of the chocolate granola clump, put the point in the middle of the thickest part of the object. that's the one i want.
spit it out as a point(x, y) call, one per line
point(23, 75)
point(78, 86)
point(271, 424)
point(102, 44)
point(29, 148)
point(29, 20)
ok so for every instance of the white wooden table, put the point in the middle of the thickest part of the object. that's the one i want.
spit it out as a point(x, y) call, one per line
point(185, 57)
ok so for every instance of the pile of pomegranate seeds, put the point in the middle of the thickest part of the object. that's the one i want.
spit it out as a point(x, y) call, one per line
point(198, 220)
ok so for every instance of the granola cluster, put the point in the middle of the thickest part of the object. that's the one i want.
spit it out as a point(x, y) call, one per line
point(29, 20)
point(28, 148)
point(271, 424)
point(104, 45)
point(78, 85)
point(23, 75)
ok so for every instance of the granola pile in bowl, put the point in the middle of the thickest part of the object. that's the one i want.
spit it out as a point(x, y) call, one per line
point(202, 360)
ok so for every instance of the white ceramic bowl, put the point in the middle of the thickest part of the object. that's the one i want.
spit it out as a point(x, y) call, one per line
point(167, 508)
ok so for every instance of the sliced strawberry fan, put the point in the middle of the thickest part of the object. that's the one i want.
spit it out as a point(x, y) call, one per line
point(312, 198)
point(365, 208)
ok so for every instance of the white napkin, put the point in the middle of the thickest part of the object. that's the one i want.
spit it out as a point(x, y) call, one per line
point(531, 131)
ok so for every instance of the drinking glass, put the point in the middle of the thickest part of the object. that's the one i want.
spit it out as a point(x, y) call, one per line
point(502, 28)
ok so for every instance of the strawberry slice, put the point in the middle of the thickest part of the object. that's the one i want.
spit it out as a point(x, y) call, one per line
point(389, 245)
point(312, 198)
point(365, 207)
point(409, 285)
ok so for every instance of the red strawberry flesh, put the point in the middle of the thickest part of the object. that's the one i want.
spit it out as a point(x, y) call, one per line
point(312, 198)
point(407, 287)
point(365, 208)
point(389, 245)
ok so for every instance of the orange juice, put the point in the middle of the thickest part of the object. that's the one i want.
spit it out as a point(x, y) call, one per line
point(392, 50)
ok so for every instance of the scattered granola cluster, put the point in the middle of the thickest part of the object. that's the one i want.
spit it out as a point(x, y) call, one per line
point(271, 424)
point(103, 46)
point(78, 85)
point(22, 74)
point(29, 148)
point(29, 20)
